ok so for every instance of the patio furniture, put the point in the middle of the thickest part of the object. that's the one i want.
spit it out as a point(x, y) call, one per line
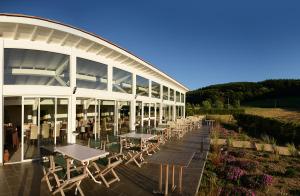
point(173, 159)
point(83, 155)
point(137, 156)
point(103, 173)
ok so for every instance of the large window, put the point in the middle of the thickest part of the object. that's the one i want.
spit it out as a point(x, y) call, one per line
point(35, 67)
point(142, 86)
point(155, 90)
point(182, 98)
point(91, 74)
point(165, 93)
point(171, 94)
point(177, 96)
point(122, 81)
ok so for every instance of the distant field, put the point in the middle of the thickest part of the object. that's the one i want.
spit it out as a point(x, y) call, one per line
point(286, 102)
point(277, 113)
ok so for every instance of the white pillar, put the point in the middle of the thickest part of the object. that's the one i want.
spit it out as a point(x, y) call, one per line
point(132, 115)
point(1, 99)
point(142, 115)
point(109, 77)
point(72, 101)
point(133, 105)
point(160, 112)
point(174, 112)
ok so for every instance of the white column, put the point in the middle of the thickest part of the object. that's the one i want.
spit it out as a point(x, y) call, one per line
point(72, 101)
point(109, 77)
point(155, 115)
point(1, 99)
point(142, 115)
point(160, 112)
point(174, 112)
point(132, 115)
point(132, 105)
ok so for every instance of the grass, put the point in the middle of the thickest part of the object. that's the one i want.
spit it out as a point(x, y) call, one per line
point(285, 102)
point(287, 115)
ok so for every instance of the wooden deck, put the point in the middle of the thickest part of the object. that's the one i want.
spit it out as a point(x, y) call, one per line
point(24, 179)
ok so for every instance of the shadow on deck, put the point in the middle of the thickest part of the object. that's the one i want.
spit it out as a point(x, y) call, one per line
point(25, 178)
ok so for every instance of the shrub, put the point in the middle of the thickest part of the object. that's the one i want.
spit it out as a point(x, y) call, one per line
point(235, 191)
point(290, 172)
point(292, 149)
point(235, 173)
point(266, 180)
point(238, 153)
point(247, 165)
point(283, 132)
point(229, 141)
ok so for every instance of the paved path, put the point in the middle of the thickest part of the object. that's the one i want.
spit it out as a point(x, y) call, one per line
point(24, 179)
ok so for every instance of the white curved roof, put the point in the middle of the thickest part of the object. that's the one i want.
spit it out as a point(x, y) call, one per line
point(23, 27)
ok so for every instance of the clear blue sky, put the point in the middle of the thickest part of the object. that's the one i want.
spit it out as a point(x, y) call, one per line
point(197, 42)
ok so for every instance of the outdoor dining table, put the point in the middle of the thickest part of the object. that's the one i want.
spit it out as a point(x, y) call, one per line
point(143, 137)
point(171, 158)
point(80, 153)
point(143, 140)
point(163, 132)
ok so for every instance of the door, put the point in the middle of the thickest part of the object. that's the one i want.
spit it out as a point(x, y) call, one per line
point(45, 122)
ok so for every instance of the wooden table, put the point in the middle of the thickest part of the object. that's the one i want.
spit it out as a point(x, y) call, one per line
point(84, 155)
point(137, 157)
point(141, 136)
point(171, 158)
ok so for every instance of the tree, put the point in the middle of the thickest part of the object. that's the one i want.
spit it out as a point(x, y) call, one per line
point(236, 103)
point(206, 105)
point(219, 104)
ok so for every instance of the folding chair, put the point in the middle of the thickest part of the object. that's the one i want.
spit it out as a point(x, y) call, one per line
point(104, 173)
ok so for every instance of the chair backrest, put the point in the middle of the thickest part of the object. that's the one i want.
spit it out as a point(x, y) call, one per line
point(45, 130)
point(58, 126)
point(33, 132)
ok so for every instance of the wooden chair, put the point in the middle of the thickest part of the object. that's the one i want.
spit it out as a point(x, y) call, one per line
point(108, 170)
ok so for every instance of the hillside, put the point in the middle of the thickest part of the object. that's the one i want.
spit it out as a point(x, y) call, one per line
point(269, 93)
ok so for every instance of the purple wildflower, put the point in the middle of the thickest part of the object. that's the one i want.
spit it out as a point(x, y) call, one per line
point(235, 173)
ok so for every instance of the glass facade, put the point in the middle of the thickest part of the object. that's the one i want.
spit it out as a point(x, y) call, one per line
point(91, 74)
point(122, 81)
point(142, 86)
point(177, 96)
point(35, 67)
point(171, 94)
point(155, 90)
point(182, 98)
point(165, 93)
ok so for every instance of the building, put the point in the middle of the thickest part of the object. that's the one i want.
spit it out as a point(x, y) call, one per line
point(61, 84)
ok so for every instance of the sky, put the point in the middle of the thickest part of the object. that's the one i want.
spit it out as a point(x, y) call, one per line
point(198, 43)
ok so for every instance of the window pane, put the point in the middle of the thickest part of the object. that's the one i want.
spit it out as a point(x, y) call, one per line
point(171, 94)
point(182, 98)
point(35, 67)
point(142, 86)
point(177, 96)
point(165, 93)
point(122, 81)
point(155, 93)
point(124, 117)
point(90, 74)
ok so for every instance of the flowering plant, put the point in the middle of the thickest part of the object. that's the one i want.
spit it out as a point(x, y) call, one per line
point(266, 180)
point(235, 173)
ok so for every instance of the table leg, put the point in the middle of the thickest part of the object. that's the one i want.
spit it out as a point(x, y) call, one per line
point(167, 179)
point(68, 169)
point(180, 179)
point(160, 178)
point(173, 178)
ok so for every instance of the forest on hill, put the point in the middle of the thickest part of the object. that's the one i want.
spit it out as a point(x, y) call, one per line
point(268, 93)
